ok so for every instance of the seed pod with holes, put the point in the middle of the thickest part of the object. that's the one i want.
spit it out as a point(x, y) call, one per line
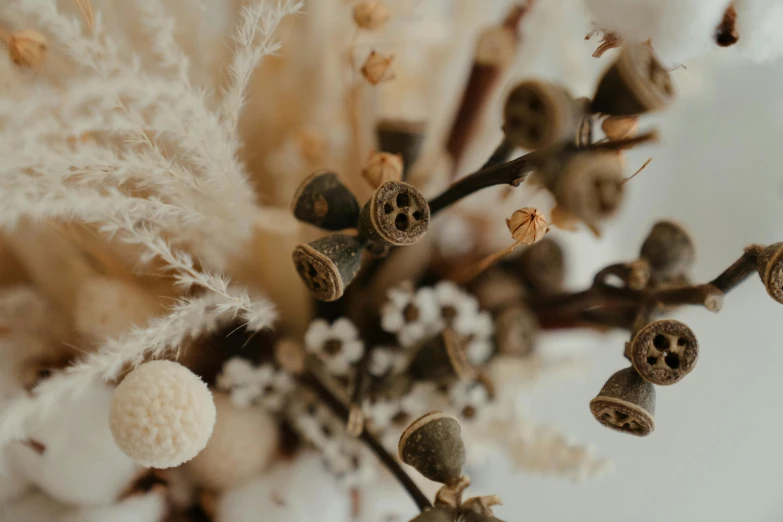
point(437, 514)
point(433, 445)
point(442, 359)
point(770, 268)
point(538, 113)
point(322, 200)
point(626, 403)
point(403, 137)
point(328, 265)
point(636, 83)
point(515, 331)
point(663, 352)
point(541, 266)
point(669, 250)
point(396, 214)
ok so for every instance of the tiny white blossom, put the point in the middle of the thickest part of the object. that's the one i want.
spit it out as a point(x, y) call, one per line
point(413, 316)
point(379, 413)
point(469, 398)
point(387, 361)
point(458, 309)
point(479, 346)
point(337, 345)
point(248, 384)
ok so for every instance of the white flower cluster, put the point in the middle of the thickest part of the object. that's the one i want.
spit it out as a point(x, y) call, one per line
point(336, 345)
point(248, 384)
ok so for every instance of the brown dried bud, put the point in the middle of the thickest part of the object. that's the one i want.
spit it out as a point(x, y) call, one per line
point(377, 68)
point(322, 200)
point(496, 46)
point(542, 267)
point(538, 113)
point(669, 250)
point(370, 14)
point(27, 48)
point(396, 214)
point(382, 167)
point(328, 265)
point(626, 403)
point(726, 33)
point(636, 83)
point(433, 445)
point(443, 358)
point(770, 269)
point(664, 352)
point(515, 331)
point(527, 225)
point(620, 127)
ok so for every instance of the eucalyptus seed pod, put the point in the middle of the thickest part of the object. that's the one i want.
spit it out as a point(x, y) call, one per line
point(328, 265)
point(590, 186)
point(515, 330)
point(443, 358)
point(433, 445)
point(542, 267)
point(437, 514)
point(396, 214)
point(539, 113)
point(663, 352)
point(770, 268)
point(669, 250)
point(322, 200)
point(636, 83)
point(403, 137)
point(626, 403)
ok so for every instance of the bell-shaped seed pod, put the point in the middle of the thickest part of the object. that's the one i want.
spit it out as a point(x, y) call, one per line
point(433, 445)
point(626, 403)
point(322, 200)
point(542, 266)
point(590, 186)
point(442, 359)
point(328, 265)
point(539, 113)
point(437, 514)
point(663, 352)
point(669, 250)
point(396, 214)
point(634, 84)
point(515, 330)
point(403, 137)
point(770, 268)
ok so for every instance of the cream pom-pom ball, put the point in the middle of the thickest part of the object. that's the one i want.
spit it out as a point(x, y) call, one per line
point(106, 307)
point(243, 443)
point(162, 414)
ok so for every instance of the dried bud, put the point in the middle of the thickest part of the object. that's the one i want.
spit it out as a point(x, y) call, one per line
point(620, 127)
point(382, 167)
point(537, 114)
point(542, 267)
point(370, 14)
point(396, 214)
point(770, 268)
point(328, 265)
point(403, 137)
point(27, 48)
point(527, 225)
point(669, 250)
point(626, 403)
point(377, 68)
point(322, 200)
point(664, 352)
point(433, 445)
point(726, 33)
point(443, 358)
point(496, 46)
point(636, 83)
point(515, 331)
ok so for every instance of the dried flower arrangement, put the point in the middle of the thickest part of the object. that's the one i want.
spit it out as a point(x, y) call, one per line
point(197, 349)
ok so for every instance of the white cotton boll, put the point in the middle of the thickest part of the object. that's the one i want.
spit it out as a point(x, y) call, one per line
point(107, 307)
point(150, 507)
point(243, 443)
point(299, 490)
point(759, 25)
point(80, 464)
point(162, 414)
point(679, 29)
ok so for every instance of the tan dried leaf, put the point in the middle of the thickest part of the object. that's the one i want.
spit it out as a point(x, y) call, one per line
point(527, 225)
point(377, 68)
point(382, 167)
point(27, 48)
point(370, 14)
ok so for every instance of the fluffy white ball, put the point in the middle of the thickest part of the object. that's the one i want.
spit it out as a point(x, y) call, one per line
point(80, 464)
point(106, 307)
point(243, 443)
point(300, 490)
point(162, 414)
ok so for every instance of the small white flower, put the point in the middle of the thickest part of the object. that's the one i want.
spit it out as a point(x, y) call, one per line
point(380, 412)
point(479, 344)
point(469, 398)
point(413, 316)
point(275, 387)
point(337, 345)
point(418, 400)
point(248, 384)
point(458, 309)
point(386, 361)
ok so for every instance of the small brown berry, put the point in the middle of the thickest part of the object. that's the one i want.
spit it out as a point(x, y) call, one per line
point(370, 14)
point(636, 83)
point(527, 225)
point(770, 269)
point(433, 445)
point(538, 113)
point(626, 403)
point(382, 167)
point(322, 200)
point(377, 68)
point(669, 250)
point(664, 352)
point(27, 48)
point(396, 214)
point(328, 265)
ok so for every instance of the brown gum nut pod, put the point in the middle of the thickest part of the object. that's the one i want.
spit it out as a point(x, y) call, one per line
point(396, 214)
point(443, 359)
point(626, 403)
point(515, 331)
point(770, 268)
point(328, 265)
point(539, 113)
point(437, 514)
point(664, 352)
point(669, 250)
point(542, 266)
point(403, 137)
point(433, 445)
point(590, 186)
point(322, 200)
point(636, 83)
